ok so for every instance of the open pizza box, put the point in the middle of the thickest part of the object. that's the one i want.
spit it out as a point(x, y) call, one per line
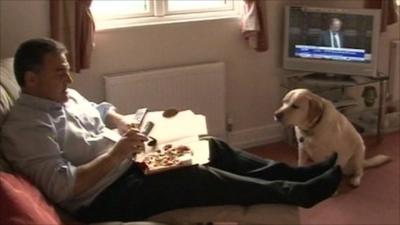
point(177, 144)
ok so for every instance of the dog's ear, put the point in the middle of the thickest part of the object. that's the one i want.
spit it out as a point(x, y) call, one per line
point(315, 108)
point(289, 95)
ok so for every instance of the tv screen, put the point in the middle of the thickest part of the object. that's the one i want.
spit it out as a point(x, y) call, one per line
point(337, 41)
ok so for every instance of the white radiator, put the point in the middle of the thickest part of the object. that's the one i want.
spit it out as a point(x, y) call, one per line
point(200, 88)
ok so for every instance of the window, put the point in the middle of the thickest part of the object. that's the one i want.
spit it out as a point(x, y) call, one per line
point(179, 6)
point(103, 10)
point(122, 13)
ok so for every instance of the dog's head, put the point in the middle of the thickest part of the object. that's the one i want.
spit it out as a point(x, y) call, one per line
point(300, 107)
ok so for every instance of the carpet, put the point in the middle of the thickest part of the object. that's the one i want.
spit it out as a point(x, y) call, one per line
point(375, 202)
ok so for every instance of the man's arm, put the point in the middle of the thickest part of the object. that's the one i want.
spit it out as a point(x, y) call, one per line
point(90, 173)
point(34, 151)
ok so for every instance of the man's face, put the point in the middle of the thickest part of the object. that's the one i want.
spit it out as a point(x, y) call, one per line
point(336, 25)
point(53, 79)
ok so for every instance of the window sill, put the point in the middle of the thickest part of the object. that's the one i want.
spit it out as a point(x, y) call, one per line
point(110, 25)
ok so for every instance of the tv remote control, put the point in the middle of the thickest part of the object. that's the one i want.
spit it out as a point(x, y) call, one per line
point(139, 116)
point(147, 128)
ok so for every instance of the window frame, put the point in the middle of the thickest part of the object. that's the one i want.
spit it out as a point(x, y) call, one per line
point(159, 14)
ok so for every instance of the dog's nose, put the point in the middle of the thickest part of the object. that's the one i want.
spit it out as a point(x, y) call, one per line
point(278, 116)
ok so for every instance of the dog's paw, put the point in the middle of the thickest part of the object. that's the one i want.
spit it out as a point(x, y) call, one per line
point(355, 181)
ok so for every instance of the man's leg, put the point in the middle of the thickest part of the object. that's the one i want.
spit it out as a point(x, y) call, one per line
point(135, 197)
point(225, 157)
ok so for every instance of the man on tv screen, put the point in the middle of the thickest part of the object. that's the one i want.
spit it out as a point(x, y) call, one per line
point(332, 37)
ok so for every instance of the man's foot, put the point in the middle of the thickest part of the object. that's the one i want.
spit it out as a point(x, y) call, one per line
point(316, 169)
point(317, 189)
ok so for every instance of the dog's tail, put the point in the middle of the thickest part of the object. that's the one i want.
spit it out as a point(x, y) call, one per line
point(376, 161)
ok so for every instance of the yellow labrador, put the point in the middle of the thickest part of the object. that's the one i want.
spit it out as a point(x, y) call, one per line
point(321, 130)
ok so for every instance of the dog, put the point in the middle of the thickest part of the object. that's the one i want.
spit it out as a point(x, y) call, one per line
point(322, 130)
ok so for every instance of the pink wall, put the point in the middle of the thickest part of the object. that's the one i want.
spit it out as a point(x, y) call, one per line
point(21, 20)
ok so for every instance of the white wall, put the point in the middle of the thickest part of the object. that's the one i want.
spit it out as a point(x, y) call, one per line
point(253, 90)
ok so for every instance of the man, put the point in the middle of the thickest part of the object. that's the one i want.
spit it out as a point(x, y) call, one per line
point(332, 37)
point(54, 136)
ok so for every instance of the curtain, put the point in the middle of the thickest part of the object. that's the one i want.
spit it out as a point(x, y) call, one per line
point(389, 12)
point(71, 23)
point(252, 25)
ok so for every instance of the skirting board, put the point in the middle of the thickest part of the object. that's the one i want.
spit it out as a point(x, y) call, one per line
point(256, 136)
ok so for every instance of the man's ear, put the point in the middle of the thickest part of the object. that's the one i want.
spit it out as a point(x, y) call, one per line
point(30, 79)
point(315, 109)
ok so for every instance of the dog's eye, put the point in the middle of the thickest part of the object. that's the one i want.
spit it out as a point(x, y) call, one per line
point(294, 106)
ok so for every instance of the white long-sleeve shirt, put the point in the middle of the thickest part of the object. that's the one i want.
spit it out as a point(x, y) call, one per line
point(47, 141)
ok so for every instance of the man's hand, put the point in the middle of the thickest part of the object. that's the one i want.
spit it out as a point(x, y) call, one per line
point(119, 121)
point(124, 125)
point(132, 142)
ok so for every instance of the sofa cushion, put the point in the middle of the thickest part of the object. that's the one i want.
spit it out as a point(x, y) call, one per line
point(23, 203)
point(9, 89)
point(8, 80)
point(277, 214)
point(9, 92)
point(5, 104)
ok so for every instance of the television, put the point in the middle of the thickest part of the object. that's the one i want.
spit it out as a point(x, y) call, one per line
point(331, 40)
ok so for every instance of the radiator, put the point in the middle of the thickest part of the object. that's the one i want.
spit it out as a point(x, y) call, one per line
point(200, 88)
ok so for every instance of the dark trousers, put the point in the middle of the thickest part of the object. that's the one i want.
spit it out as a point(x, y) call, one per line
point(231, 177)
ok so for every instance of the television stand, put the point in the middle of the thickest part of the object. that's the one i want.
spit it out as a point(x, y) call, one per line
point(326, 84)
point(329, 79)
